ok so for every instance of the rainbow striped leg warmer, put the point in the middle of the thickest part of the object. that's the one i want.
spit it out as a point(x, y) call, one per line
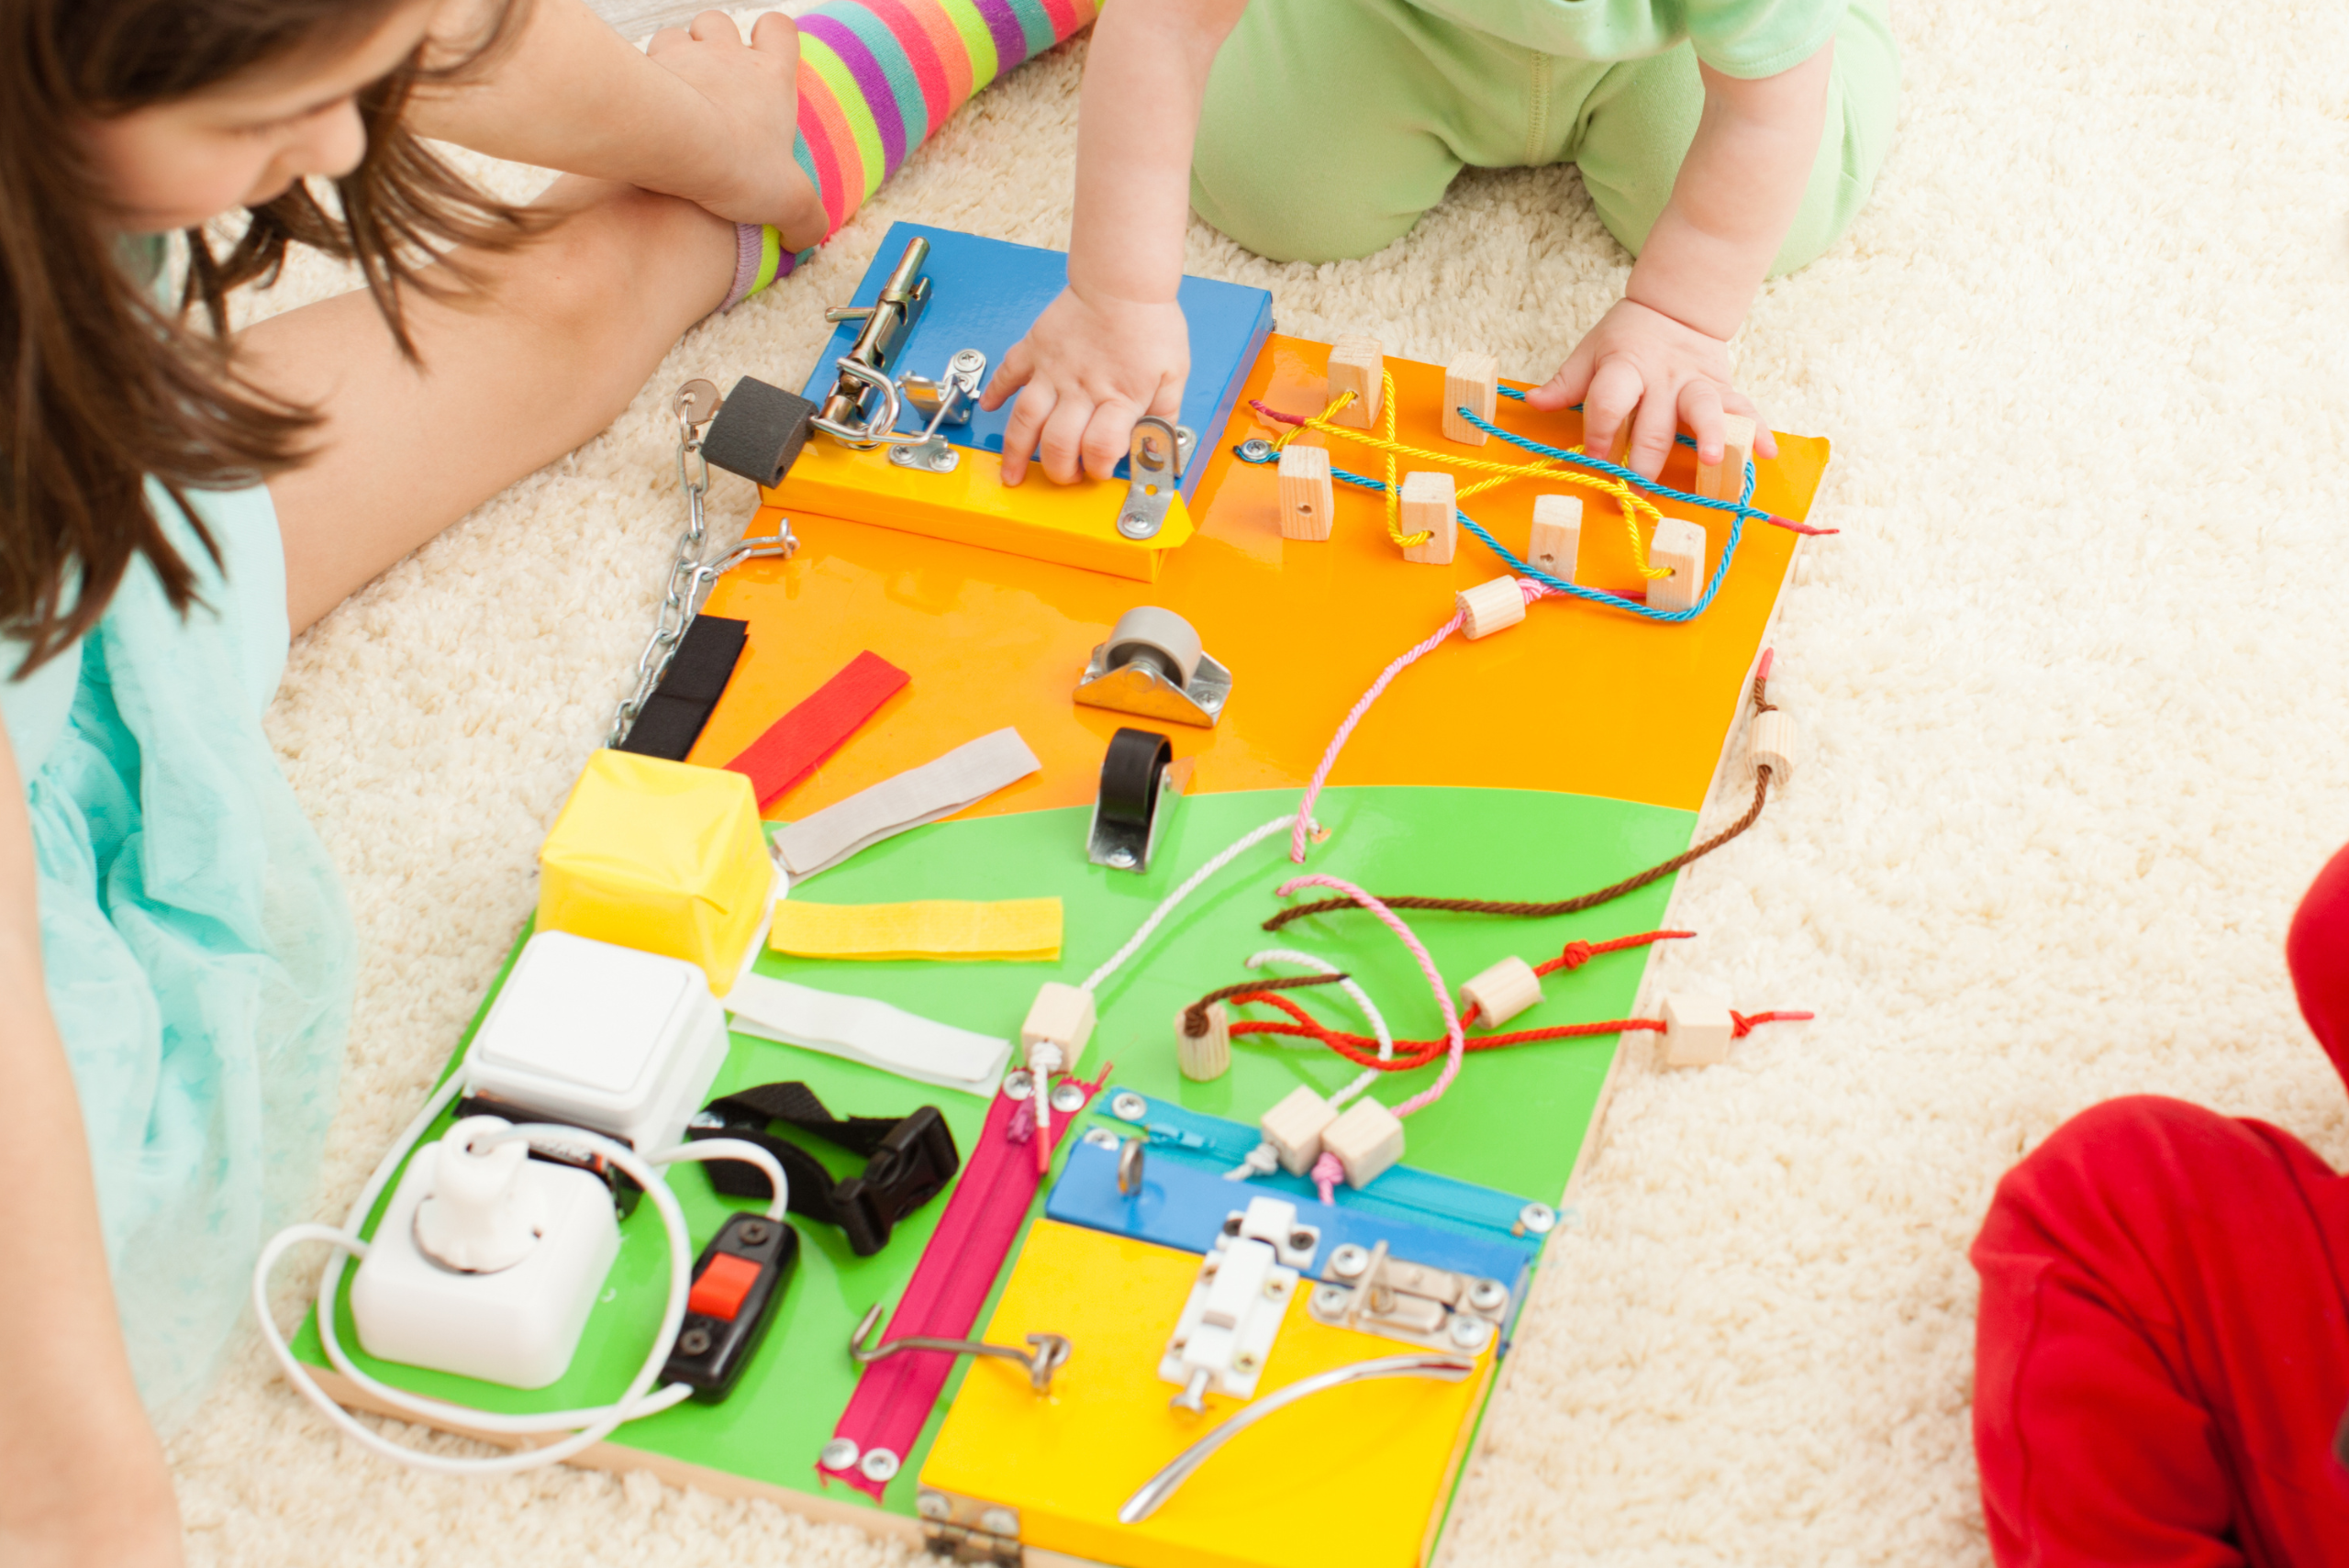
point(875, 78)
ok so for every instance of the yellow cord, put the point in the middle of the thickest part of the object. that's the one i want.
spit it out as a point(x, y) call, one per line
point(1635, 506)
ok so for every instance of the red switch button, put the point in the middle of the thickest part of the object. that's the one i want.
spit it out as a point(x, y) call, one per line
point(720, 1291)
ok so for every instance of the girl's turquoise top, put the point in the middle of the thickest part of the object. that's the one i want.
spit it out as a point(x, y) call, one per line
point(199, 953)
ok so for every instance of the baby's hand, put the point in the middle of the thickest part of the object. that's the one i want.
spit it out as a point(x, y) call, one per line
point(748, 174)
point(1084, 372)
point(1639, 366)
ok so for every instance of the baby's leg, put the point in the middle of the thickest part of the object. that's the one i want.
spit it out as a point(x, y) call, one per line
point(2162, 1348)
point(1636, 124)
point(1329, 125)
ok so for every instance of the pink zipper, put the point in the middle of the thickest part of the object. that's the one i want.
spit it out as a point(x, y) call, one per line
point(958, 1269)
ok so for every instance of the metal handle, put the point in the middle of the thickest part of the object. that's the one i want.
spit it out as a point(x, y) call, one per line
point(1162, 1486)
point(880, 431)
point(1046, 1355)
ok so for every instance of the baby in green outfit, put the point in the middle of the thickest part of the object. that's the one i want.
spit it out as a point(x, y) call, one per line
point(1722, 141)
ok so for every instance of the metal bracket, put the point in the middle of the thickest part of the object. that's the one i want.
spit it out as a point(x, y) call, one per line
point(1365, 1289)
point(1045, 1355)
point(1137, 774)
point(1153, 666)
point(968, 1530)
point(1159, 452)
point(948, 401)
point(864, 369)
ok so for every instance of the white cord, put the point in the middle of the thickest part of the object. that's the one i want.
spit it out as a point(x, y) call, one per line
point(1368, 1075)
point(1166, 906)
point(586, 1427)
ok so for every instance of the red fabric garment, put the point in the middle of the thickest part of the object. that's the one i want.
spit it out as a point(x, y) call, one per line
point(2162, 1356)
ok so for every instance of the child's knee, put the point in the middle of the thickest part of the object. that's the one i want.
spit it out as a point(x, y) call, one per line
point(1282, 222)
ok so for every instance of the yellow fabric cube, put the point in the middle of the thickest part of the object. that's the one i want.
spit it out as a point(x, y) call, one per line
point(661, 856)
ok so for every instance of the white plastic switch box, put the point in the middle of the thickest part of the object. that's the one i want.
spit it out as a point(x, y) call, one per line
point(517, 1325)
point(619, 1042)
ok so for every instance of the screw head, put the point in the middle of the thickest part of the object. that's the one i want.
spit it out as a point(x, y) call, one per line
point(1136, 524)
point(705, 1121)
point(1539, 1218)
point(999, 1521)
point(841, 1453)
point(929, 1504)
point(1488, 1295)
point(1349, 1261)
point(1067, 1098)
point(1255, 449)
point(1470, 1333)
point(1330, 1298)
point(1244, 1362)
point(1303, 1240)
point(1127, 1105)
point(878, 1465)
point(1231, 1225)
point(1101, 1138)
point(693, 1341)
point(1122, 859)
point(752, 1233)
point(1275, 1287)
point(1017, 1084)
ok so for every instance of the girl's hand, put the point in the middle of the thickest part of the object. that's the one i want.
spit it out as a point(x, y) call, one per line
point(746, 171)
point(1086, 371)
point(1640, 367)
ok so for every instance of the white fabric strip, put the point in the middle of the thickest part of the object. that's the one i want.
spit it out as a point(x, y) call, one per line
point(874, 1033)
point(966, 775)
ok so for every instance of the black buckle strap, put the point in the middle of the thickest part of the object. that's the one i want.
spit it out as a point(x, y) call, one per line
point(908, 1160)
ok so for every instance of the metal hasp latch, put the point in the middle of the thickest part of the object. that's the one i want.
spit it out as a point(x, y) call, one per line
point(847, 414)
point(1153, 666)
point(968, 1530)
point(948, 401)
point(1159, 452)
point(1235, 1307)
point(1136, 776)
point(1162, 1486)
point(1045, 1354)
point(1363, 1288)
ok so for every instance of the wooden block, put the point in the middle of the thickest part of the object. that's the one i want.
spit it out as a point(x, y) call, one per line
point(1062, 1015)
point(1725, 480)
point(1308, 501)
point(1770, 742)
point(1696, 1031)
point(1489, 606)
point(1428, 508)
point(1203, 1058)
point(1680, 544)
point(1358, 365)
point(1295, 1128)
point(1555, 543)
point(1502, 992)
point(1473, 383)
point(1367, 1141)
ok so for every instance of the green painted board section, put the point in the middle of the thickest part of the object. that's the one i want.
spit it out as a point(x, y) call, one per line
point(1515, 1120)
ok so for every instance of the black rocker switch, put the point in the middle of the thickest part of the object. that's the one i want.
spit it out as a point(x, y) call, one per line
point(737, 1279)
point(758, 432)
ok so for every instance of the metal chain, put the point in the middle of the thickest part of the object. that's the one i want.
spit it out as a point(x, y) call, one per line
point(690, 577)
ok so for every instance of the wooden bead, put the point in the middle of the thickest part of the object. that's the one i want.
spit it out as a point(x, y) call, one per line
point(1429, 508)
point(1357, 364)
point(1555, 543)
point(1367, 1141)
point(1725, 480)
point(1489, 606)
point(1293, 1128)
point(1680, 544)
point(1062, 1015)
point(1473, 382)
point(1203, 1058)
point(1696, 1031)
point(1308, 502)
point(1502, 992)
point(1770, 742)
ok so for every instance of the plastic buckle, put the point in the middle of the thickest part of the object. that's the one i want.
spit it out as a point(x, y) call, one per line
point(912, 1165)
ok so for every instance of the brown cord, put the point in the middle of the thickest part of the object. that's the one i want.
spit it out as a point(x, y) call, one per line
point(1195, 1016)
point(1762, 705)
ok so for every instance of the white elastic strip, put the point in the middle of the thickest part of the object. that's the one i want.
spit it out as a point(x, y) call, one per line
point(967, 774)
point(874, 1033)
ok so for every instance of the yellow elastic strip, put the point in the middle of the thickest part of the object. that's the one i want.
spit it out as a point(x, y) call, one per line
point(1019, 930)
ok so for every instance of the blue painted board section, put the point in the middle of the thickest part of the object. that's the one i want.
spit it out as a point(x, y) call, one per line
point(986, 293)
point(1182, 1205)
point(1414, 1197)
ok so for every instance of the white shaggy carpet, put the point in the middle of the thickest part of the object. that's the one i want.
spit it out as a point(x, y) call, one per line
point(2072, 678)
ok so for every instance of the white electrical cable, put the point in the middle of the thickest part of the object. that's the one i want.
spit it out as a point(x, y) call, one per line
point(1247, 842)
point(1377, 1021)
point(586, 1427)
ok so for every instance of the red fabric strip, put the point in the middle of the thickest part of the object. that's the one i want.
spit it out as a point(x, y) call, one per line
point(794, 743)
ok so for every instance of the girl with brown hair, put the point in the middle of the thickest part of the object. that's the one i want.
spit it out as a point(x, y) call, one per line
point(175, 956)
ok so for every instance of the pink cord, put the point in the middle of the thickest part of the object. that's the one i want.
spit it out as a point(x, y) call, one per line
point(1454, 1038)
point(1328, 1171)
point(1337, 742)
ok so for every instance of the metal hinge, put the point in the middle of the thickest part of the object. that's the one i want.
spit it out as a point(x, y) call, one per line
point(966, 1530)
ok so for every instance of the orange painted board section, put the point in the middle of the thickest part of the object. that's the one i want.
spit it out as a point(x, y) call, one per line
point(1579, 698)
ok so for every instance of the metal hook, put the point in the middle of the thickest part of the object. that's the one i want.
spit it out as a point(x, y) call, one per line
point(1048, 1353)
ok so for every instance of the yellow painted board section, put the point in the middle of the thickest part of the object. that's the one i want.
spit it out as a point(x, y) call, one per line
point(1593, 701)
point(1071, 524)
point(1356, 1475)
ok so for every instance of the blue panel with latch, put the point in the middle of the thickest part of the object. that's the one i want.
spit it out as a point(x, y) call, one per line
point(986, 293)
point(1184, 1205)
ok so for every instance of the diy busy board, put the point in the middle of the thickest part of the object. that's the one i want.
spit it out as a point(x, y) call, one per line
point(1231, 1323)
